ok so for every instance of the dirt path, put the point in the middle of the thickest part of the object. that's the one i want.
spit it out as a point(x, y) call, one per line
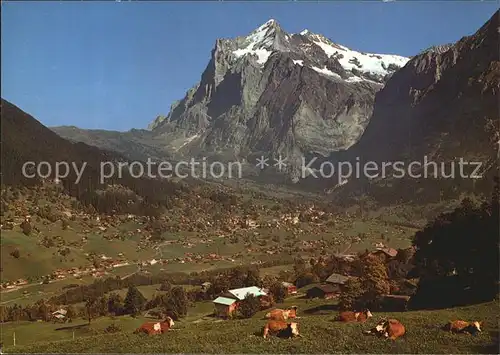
point(133, 273)
point(347, 249)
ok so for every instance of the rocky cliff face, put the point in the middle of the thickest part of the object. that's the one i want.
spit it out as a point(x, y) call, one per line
point(278, 93)
point(445, 95)
point(442, 104)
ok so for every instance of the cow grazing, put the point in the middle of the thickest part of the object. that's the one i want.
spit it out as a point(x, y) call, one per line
point(388, 328)
point(461, 326)
point(349, 316)
point(281, 329)
point(151, 328)
point(282, 314)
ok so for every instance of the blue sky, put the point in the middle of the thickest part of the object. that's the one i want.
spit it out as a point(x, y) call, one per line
point(116, 65)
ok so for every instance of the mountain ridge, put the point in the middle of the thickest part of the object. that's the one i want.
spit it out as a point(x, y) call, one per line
point(287, 103)
point(269, 91)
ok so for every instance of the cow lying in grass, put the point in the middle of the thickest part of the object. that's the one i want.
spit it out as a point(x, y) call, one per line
point(349, 316)
point(461, 326)
point(282, 314)
point(388, 328)
point(281, 329)
point(151, 328)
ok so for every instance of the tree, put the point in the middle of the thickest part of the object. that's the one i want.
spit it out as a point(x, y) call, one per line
point(338, 265)
point(375, 281)
point(102, 306)
point(71, 313)
point(165, 286)
point(31, 312)
point(237, 277)
point(459, 250)
point(278, 291)
point(115, 304)
point(175, 302)
point(3, 314)
point(42, 310)
point(26, 227)
point(134, 301)
point(366, 291)
point(219, 285)
point(15, 313)
point(249, 306)
point(90, 308)
point(305, 279)
point(253, 278)
point(351, 294)
point(299, 267)
point(320, 270)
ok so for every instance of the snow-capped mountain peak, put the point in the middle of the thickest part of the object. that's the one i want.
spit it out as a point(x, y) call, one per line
point(355, 66)
point(369, 66)
point(262, 41)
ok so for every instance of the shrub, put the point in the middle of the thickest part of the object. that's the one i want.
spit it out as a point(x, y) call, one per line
point(278, 291)
point(112, 328)
point(165, 286)
point(26, 227)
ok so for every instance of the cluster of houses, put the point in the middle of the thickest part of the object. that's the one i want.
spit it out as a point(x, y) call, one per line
point(247, 222)
point(8, 285)
point(189, 258)
point(331, 288)
point(228, 302)
point(333, 285)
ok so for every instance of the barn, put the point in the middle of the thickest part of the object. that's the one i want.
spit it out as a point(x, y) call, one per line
point(385, 254)
point(326, 291)
point(205, 286)
point(337, 280)
point(59, 315)
point(291, 289)
point(228, 302)
point(224, 306)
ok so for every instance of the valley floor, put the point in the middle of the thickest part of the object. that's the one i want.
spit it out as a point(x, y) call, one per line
point(199, 333)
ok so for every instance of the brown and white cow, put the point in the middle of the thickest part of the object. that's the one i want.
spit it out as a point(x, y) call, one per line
point(349, 316)
point(282, 314)
point(461, 326)
point(388, 328)
point(281, 329)
point(156, 328)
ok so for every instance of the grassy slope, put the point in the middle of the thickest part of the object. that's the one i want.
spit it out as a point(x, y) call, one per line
point(37, 260)
point(320, 335)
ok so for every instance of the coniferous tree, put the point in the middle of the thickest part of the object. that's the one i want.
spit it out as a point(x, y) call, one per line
point(134, 301)
point(115, 304)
